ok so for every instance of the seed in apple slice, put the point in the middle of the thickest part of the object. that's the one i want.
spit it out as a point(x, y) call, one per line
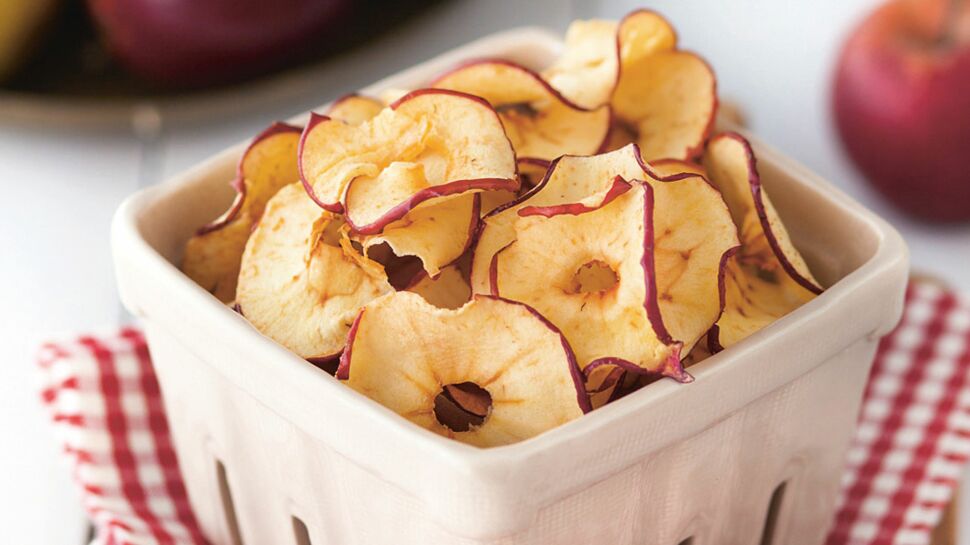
point(437, 231)
point(599, 286)
point(354, 109)
point(428, 144)
point(297, 284)
point(497, 360)
point(767, 278)
point(268, 164)
point(540, 122)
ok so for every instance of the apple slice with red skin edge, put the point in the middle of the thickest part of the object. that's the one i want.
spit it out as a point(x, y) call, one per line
point(667, 102)
point(628, 308)
point(297, 285)
point(568, 179)
point(531, 171)
point(437, 232)
point(402, 352)
point(446, 142)
point(587, 70)
point(754, 298)
point(571, 180)
point(354, 109)
point(449, 290)
point(212, 255)
point(767, 278)
point(541, 123)
point(733, 169)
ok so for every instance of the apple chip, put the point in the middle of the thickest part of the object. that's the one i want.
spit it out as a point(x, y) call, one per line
point(437, 232)
point(693, 230)
point(430, 143)
point(664, 99)
point(568, 179)
point(449, 289)
point(601, 278)
point(498, 361)
point(540, 123)
point(589, 66)
point(212, 255)
point(768, 277)
point(297, 284)
point(354, 109)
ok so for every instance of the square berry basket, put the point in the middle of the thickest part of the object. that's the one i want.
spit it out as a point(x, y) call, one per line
point(274, 450)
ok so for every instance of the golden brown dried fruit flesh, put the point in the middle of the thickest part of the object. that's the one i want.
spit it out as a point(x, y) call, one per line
point(450, 289)
point(298, 284)
point(586, 71)
point(768, 277)
point(429, 144)
point(437, 231)
point(662, 98)
point(268, 164)
point(693, 230)
point(402, 352)
point(540, 123)
point(611, 312)
point(355, 109)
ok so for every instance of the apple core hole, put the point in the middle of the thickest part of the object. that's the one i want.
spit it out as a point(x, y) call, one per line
point(593, 277)
point(400, 270)
point(462, 406)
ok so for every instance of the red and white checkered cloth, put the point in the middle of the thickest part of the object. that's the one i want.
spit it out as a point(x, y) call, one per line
point(908, 455)
point(107, 410)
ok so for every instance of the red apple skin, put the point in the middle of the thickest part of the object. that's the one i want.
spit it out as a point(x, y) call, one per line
point(199, 42)
point(901, 102)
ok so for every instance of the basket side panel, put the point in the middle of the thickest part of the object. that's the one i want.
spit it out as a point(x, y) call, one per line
point(715, 486)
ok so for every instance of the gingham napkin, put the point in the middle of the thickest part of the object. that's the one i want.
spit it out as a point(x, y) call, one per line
point(909, 452)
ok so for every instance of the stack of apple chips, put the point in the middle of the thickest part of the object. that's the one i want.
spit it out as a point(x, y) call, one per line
point(506, 250)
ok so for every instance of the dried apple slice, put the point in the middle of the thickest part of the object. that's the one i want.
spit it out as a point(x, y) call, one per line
point(355, 109)
point(610, 311)
point(404, 353)
point(437, 232)
point(666, 98)
point(768, 277)
point(297, 284)
point(662, 98)
point(540, 122)
point(734, 170)
point(568, 179)
point(693, 226)
point(428, 144)
point(587, 70)
point(212, 255)
point(449, 290)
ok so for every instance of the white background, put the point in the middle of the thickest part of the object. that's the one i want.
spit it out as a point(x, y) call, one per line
point(60, 187)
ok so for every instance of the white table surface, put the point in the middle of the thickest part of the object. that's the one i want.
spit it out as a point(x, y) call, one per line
point(60, 187)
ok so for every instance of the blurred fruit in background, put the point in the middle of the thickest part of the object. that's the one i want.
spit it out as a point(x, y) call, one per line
point(902, 105)
point(199, 42)
point(21, 22)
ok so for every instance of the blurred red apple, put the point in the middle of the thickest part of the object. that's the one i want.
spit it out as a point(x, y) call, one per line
point(197, 42)
point(902, 105)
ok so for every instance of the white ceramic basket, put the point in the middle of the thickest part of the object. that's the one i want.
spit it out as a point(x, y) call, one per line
point(275, 451)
